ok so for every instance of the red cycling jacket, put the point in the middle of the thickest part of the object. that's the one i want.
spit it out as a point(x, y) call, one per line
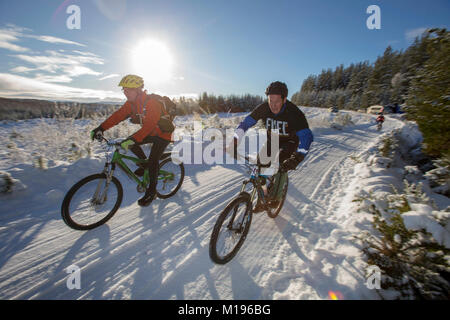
point(150, 112)
point(380, 119)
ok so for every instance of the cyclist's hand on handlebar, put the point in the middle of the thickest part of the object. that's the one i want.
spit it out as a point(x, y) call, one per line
point(292, 162)
point(97, 134)
point(126, 144)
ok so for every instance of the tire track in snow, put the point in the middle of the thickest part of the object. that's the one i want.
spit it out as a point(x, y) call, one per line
point(133, 231)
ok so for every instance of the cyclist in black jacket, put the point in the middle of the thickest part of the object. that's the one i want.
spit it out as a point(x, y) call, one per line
point(282, 116)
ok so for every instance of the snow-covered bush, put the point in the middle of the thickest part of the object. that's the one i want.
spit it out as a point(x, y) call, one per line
point(8, 184)
point(439, 178)
point(41, 162)
point(343, 119)
point(39, 141)
point(388, 146)
point(331, 120)
point(411, 245)
point(15, 135)
point(413, 262)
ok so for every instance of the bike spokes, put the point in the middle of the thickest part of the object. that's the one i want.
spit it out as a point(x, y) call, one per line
point(230, 230)
point(170, 178)
point(91, 202)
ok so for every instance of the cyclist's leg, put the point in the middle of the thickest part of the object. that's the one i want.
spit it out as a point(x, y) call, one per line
point(286, 149)
point(266, 154)
point(159, 145)
point(137, 150)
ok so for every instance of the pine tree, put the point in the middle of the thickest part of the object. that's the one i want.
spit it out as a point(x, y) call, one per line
point(358, 84)
point(398, 88)
point(338, 78)
point(348, 73)
point(429, 93)
point(309, 84)
point(379, 84)
point(324, 80)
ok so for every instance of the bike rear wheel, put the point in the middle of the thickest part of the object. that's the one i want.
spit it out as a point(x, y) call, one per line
point(89, 204)
point(170, 178)
point(231, 229)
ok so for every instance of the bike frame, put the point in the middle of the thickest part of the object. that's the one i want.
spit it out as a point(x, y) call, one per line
point(256, 181)
point(118, 158)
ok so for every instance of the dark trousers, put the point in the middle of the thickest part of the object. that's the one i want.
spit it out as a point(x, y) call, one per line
point(159, 145)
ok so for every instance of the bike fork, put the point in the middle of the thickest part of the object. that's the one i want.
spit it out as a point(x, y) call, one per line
point(103, 197)
point(252, 194)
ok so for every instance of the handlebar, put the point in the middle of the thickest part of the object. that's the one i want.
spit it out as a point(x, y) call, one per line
point(108, 142)
point(113, 144)
point(258, 162)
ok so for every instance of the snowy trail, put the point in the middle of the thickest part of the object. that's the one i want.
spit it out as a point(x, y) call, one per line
point(161, 252)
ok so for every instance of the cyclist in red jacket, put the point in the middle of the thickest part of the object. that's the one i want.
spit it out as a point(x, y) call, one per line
point(380, 120)
point(156, 128)
point(380, 117)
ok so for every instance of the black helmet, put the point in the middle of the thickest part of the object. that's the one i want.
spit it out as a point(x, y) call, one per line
point(277, 87)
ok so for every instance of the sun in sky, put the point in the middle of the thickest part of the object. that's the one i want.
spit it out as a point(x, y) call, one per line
point(153, 60)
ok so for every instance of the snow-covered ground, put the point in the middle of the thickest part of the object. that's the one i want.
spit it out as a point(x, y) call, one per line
point(161, 252)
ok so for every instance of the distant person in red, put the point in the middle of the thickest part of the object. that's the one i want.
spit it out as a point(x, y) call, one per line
point(380, 117)
point(380, 120)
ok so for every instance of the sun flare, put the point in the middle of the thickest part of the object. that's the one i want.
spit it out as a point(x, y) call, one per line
point(153, 60)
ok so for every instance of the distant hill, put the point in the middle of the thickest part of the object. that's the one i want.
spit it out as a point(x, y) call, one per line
point(20, 109)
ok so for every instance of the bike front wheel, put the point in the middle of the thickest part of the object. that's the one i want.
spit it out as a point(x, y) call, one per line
point(91, 202)
point(231, 229)
point(170, 178)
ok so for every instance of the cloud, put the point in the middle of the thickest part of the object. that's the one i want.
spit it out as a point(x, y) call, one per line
point(13, 33)
point(21, 69)
point(68, 65)
point(76, 71)
point(15, 28)
point(7, 37)
point(22, 87)
point(86, 53)
point(55, 40)
point(60, 58)
point(109, 76)
point(412, 34)
point(48, 79)
point(42, 75)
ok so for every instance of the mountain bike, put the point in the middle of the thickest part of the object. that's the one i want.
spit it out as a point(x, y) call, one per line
point(94, 200)
point(233, 224)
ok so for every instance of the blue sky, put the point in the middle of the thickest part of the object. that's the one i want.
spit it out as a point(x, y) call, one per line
point(222, 47)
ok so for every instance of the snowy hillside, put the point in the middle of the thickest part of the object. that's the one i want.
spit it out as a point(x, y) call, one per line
point(310, 251)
